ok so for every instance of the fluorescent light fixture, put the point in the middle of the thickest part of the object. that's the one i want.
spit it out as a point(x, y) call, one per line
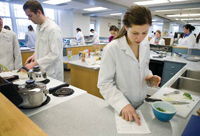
point(183, 15)
point(191, 9)
point(197, 18)
point(167, 10)
point(177, 19)
point(116, 14)
point(177, 0)
point(187, 19)
point(55, 2)
point(151, 2)
point(153, 20)
point(95, 9)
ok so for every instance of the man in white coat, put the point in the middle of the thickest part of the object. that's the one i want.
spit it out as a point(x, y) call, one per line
point(48, 47)
point(10, 55)
point(95, 38)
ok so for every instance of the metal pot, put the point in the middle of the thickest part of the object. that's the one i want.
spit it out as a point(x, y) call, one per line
point(35, 93)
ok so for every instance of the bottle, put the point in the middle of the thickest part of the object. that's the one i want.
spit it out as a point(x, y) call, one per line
point(88, 53)
point(69, 54)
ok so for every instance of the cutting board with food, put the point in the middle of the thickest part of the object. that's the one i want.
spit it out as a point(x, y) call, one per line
point(189, 101)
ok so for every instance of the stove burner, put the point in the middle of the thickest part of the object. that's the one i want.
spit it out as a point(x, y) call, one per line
point(44, 103)
point(63, 92)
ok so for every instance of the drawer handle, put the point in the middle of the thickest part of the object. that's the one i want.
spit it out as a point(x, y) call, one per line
point(172, 67)
point(171, 73)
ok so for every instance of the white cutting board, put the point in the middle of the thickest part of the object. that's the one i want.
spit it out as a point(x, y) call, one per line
point(182, 110)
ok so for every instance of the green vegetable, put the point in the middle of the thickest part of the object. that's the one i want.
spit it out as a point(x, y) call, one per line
point(188, 96)
point(160, 109)
point(3, 67)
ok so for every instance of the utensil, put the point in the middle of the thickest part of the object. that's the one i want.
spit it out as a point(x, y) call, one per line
point(175, 92)
point(172, 102)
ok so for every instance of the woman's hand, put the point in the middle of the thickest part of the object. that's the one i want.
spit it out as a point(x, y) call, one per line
point(30, 59)
point(153, 80)
point(129, 114)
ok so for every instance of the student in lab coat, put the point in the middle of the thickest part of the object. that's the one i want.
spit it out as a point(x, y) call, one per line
point(7, 27)
point(30, 37)
point(189, 38)
point(79, 36)
point(157, 40)
point(113, 31)
point(198, 41)
point(49, 46)
point(124, 70)
point(10, 54)
point(95, 38)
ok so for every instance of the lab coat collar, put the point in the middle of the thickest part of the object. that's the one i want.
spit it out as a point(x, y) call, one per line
point(45, 24)
point(142, 48)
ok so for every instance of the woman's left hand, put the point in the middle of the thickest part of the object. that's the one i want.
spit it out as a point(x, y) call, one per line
point(153, 80)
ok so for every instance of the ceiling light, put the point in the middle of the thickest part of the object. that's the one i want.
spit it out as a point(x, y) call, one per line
point(191, 9)
point(183, 15)
point(187, 19)
point(153, 20)
point(177, 0)
point(55, 2)
point(197, 18)
point(167, 10)
point(177, 19)
point(151, 2)
point(116, 14)
point(95, 9)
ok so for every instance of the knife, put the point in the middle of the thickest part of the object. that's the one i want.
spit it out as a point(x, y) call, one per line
point(172, 102)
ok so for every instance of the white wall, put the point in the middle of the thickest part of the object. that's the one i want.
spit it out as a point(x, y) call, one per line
point(103, 26)
point(82, 22)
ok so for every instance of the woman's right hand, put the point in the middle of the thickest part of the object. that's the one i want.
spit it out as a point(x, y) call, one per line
point(30, 59)
point(128, 113)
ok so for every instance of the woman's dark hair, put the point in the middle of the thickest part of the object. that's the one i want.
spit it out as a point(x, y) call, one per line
point(30, 28)
point(7, 27)
point(197, 39)
point(114, 28)
point(34, 6)
point(190, 27)
point(136, 15)
point(78, 29)
point(91, 30)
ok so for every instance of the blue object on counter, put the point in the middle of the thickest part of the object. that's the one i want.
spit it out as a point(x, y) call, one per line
point(178, 54)
point(163, 116)
point(192, 128)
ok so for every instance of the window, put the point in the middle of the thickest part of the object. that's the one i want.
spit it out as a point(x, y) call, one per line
point(7, 21)
point(4, 9)
point(19, 12)
point(49, 13)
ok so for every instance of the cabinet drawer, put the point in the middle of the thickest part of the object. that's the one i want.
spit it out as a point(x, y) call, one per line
point(173, 66)
point(168, 74)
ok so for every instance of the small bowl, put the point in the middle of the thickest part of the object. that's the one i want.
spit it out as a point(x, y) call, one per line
point(163, 116)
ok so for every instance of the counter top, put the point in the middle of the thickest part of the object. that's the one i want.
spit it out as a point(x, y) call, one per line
point(85, 45)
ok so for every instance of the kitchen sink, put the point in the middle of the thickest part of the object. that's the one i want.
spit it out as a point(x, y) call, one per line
point(187, 85)
point(191, 74)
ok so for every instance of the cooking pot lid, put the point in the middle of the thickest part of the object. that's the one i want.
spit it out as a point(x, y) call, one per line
point(63, 92)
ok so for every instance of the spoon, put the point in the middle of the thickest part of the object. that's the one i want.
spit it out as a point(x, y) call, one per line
point(174, 92)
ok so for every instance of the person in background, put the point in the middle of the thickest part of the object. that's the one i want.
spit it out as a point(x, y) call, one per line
point(30, 37)
point(180, 38)
point(10, 54)
point(198, 41)
point(171, 35)
point(189, 38)
point(79, 36)
point(124, 70)
point(48, 46)
point(95, 38)
point(157, 40)
point(7, 27)
point(113, 31)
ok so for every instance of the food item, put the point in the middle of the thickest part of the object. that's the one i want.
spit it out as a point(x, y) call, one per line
point(152, 81)
point(188, 96)
point(198, 112)
point(160, 109)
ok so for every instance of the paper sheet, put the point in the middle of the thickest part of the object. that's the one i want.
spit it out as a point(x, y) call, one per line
point(125, 127)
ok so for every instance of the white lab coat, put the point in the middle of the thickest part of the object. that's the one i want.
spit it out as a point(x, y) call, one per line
point(10, 54)
point(30, 38)
point(80, 37)
point(197, 45)
point(161, 41)
point(122, 78)
point(49, 49)
point(95, 38)
point(188, 41)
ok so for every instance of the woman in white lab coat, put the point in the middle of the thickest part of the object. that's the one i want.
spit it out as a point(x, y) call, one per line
point(157, 40)
point(10, 54)
point(124, 69)
point(189, 38)
point(30, 37)
point(79, 36)
point(95, 38)
point(198, 41)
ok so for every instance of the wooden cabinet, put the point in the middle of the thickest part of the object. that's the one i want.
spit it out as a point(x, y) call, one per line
point(25, 56)
point(169, 70)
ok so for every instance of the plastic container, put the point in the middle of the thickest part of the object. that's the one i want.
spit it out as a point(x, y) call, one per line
point(69, 54)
